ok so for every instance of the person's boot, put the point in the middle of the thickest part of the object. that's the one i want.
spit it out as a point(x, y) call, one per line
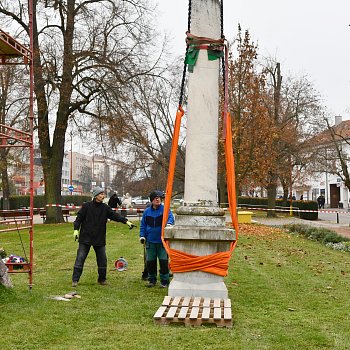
point(151, 284)
point(75, 284)
point(164, 284)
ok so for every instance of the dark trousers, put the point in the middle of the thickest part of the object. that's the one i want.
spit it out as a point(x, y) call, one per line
point(101, 259)
point(154, 251)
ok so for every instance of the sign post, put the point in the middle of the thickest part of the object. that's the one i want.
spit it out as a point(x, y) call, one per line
point(71, 189)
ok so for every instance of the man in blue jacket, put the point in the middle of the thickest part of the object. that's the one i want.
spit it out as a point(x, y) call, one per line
point(91, 220)
point(150, 234)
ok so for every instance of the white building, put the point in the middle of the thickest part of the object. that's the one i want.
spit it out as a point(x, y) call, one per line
point(326, 182)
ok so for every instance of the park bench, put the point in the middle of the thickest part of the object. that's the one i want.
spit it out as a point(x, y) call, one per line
point(13, 220)
point(15, 214)
point(65, 213)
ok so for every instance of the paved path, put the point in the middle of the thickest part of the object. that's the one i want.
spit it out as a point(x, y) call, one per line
point(338, 223)
point(341, 228)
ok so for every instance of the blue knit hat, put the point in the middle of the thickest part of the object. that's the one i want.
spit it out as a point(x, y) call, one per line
point(155, 194)
point(96, 191)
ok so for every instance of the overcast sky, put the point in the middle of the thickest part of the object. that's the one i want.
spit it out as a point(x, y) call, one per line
point(308, 37)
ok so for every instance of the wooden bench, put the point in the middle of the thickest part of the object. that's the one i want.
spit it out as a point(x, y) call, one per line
point(14, 220)
point(65, 213)
point(15, 214)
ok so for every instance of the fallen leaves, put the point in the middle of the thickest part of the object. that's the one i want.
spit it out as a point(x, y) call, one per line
point(259, 230)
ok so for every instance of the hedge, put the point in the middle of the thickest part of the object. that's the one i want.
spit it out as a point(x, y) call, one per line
point(39, 201)
point(302, 205)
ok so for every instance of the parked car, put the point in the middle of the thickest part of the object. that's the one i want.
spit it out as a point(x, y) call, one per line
point(140, 200)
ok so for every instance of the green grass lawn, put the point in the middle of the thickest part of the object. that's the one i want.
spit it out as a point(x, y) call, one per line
point(287, 293)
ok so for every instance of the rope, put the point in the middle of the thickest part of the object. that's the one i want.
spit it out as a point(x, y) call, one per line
point(185, 65)
point(20, 237)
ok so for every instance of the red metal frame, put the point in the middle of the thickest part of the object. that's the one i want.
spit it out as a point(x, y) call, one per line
point(9, 49)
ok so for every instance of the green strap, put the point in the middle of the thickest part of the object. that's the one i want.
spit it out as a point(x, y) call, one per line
point(215, 54)
point(192, 56)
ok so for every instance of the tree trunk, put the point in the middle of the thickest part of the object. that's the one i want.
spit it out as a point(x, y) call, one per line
point(222, 189)
point(271, 199)
point(5, 181)
point(52, 156)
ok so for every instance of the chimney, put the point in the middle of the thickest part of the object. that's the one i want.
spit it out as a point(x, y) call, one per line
point(337, 120)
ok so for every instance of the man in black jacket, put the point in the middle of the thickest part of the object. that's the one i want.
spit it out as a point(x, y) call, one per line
point(114, 201)
point(91, 220)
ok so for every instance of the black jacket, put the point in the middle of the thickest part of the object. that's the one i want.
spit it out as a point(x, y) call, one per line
point(92, 219)
point(114, 201)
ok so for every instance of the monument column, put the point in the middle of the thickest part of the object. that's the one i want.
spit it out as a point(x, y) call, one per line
point(203, 109)
point(200, 227)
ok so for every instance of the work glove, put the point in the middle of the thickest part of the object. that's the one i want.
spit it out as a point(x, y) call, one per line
point(142, 240)
point(76, 234)
point(130, 224)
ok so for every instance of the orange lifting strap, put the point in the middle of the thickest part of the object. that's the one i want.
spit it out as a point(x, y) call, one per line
point(216, 263)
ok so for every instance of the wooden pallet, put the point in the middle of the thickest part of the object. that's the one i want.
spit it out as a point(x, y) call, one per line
point(194, 311)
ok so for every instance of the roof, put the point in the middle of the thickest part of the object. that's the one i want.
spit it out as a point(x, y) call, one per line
point(341, 131)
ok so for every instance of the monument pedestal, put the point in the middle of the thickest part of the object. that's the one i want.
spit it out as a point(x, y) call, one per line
point(199, 231)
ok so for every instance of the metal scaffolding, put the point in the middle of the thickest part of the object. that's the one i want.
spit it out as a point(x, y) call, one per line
point(12, 52)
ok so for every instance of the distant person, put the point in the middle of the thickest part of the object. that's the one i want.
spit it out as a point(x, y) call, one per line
point(91, 220)
point(150, 234)
point(126, 202)
point(319, 202)
point(323, 201)
point(114, 201)
point(301, 197)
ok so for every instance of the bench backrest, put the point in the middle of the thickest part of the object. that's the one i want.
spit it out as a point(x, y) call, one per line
point(65, 211)
point(14, 213)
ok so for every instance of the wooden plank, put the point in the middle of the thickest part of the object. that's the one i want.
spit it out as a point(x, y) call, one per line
point(186, 301)
point(206, 302)
point(176, 301)
point(227, 313)
point(166, 300)
point(171, 313)
point(196, 301)
point(160, 312)
point(217, 302)
point(194, 313)
point(183, 313)
point(206, 313)
point(217, 313)
point(227, 302)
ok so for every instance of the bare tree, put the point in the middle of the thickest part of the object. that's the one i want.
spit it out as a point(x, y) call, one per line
point(295, 111)
point(146, 135)
point(87, 53)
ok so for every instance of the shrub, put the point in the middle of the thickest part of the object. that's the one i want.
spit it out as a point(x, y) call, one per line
point(332, 237)
point(280, 203)
point(322, 235)
point(39, 201)
point(341, 246)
